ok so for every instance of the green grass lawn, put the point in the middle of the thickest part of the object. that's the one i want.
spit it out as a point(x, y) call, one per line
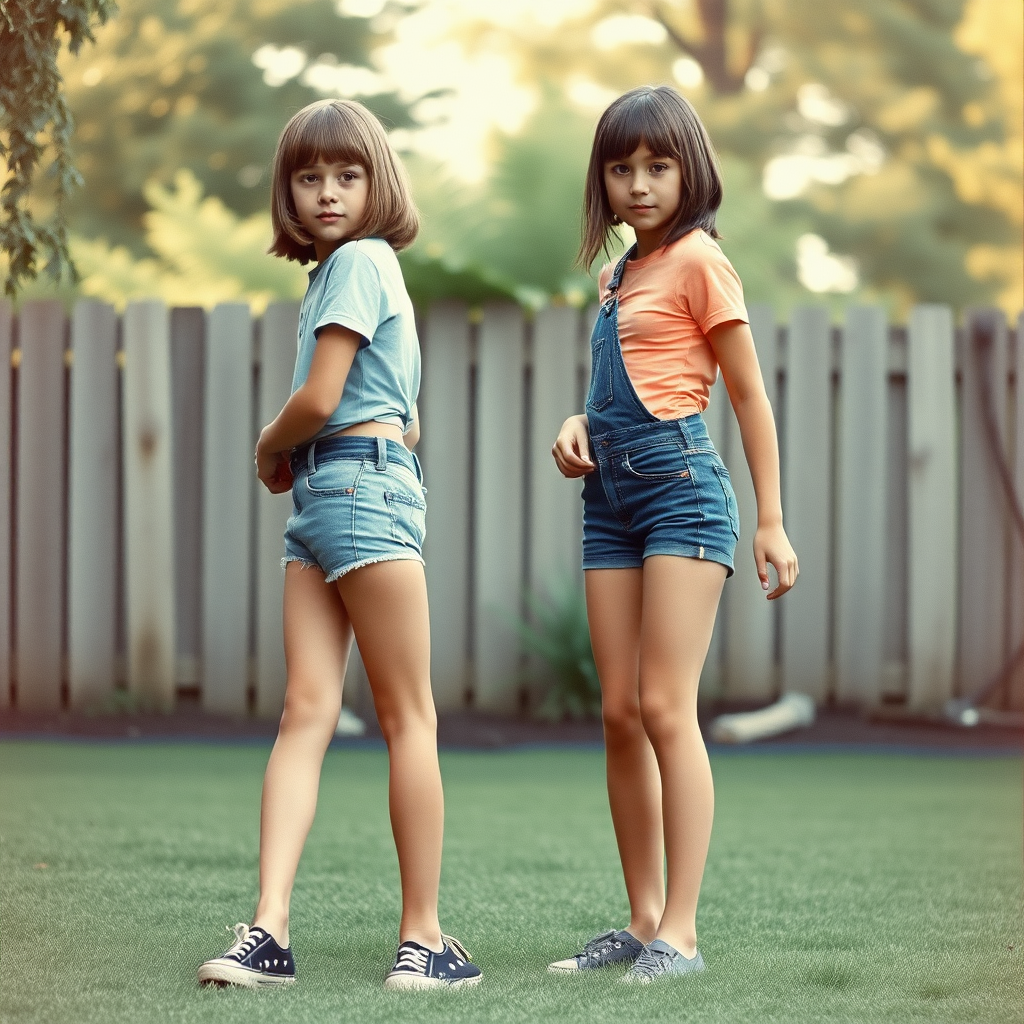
point(840, 887)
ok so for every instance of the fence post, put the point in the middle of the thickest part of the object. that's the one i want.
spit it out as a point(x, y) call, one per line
point(148, 501)
point(6, 482)
point(807, 480)
point(278, 334)
point(749, 672)
point(40, 502)
point(227, 479)
point(188, 376)
point(499, 506)
point(92, 502)
point(861, 506)
point(555, 504)
point(983, 518)
point(446, 429)
point(1016, 595)
point(932, 463)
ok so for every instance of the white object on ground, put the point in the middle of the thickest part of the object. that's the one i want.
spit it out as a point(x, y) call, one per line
point(793, 711)
point(349, 724)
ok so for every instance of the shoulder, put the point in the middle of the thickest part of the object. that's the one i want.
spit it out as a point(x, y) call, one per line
point(698, 248)
point(602, 281)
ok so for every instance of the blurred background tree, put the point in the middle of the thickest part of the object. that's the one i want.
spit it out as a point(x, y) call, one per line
point(35, 124)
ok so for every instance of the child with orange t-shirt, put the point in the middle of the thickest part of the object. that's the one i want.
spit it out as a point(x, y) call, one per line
point(660, 523)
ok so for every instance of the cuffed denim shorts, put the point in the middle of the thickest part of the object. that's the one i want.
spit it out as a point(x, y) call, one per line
point(659, 489)
point(355, 500)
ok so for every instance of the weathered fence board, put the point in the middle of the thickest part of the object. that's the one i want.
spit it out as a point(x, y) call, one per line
point(554, 503)
point(447, 430)
point(1016, 602)
point(39, 551)
point(750, 630)
point(148, 501)
point(861, 505)
point(227, 481)
point(6, 481)
point(498, 503)
point(92, 503)
point(808, 457)
point(188, 386)
point(278, 334)
point(983, 533)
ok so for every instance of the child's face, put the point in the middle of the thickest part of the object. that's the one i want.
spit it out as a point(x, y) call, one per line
point(644, 190)
point(330, 200)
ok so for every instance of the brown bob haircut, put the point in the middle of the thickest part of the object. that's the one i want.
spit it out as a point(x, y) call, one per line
point(340, 131)
point(664, 121)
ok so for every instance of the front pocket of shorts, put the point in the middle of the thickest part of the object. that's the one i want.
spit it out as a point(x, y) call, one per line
point(660, 462)
point(408, 517)
point(336, 477)
point(730, 499)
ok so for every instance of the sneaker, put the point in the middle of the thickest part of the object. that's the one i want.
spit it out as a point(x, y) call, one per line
point(254, 960)
point(417, 966)
point(608, 948)
point(660, 960)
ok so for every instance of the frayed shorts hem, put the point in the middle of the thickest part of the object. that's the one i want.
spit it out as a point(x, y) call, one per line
point(336, 574)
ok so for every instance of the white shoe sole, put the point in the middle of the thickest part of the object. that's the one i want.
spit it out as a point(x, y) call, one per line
point(220, 972)
point(564, 967)
point(412, 982)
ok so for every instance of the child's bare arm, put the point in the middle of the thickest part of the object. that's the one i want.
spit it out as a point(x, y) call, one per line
point(733, 345)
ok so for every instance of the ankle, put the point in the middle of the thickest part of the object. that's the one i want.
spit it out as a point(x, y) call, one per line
point(644, 929)
point(685, 941)
point(424, 935)
point(275, 924)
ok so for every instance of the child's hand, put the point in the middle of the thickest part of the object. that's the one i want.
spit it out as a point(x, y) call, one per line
point(274, 470)
point(771, 545)
point(572, 448)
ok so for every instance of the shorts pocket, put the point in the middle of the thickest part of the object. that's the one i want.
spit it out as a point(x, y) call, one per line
point(659, 462)
point(730, 497)
point(335, 477)
point(408, 517)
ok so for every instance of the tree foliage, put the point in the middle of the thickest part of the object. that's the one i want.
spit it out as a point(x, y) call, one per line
point(34, 118)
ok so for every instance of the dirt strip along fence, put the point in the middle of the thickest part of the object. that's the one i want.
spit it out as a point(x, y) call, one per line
point(140, 553)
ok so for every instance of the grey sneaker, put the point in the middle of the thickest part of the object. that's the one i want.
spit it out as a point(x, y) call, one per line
point(660, 960)
point(607, 948)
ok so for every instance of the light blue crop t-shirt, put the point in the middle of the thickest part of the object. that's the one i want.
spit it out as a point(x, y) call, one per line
point(360, 286)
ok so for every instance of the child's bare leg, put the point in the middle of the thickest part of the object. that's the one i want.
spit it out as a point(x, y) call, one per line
point(614, 601)
point(317, 638)
point(387, 603)
point(680, 601)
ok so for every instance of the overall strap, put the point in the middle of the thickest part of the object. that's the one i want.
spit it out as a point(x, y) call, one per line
point(620, 269)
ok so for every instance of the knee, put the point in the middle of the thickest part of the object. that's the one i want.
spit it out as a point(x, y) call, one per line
point(306, 706)
point(622, 722)
point(664, 720)
point(400, 718)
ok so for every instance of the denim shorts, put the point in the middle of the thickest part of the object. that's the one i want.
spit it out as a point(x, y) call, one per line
point(659, 489)
point(355, 500)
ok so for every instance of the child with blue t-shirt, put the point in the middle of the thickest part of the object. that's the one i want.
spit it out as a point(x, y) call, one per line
point(353, 560)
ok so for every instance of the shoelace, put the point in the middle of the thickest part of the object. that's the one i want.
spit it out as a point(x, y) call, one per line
point(600, 944)
point(651, 963)
point(245, 940)
point(411, 959)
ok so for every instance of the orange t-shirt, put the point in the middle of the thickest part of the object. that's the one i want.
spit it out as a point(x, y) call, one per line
point(668, 301)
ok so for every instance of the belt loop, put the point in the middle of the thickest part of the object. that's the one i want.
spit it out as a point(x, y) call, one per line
point(382, 454)
point(310, 460)
point(687, 442)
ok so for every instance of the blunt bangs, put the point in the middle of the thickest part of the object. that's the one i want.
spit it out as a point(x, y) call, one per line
point(341, 131)
point(666, 123)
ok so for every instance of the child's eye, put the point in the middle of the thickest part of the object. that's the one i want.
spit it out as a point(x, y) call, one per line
point(348, 176)
point(659, 168)
point(308, 178)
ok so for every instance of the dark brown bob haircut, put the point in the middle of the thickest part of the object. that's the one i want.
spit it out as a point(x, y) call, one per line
point(664, 121)
point(340, 131)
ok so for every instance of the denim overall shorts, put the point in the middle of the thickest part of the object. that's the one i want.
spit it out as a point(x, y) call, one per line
point(355, 500)
point(660, 488)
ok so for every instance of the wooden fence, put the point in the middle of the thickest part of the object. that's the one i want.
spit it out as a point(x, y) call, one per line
point(139, 550)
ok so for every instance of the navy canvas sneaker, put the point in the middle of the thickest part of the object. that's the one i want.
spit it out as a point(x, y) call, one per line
point(418, 967)
point(254, 960)
point(601, 951)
